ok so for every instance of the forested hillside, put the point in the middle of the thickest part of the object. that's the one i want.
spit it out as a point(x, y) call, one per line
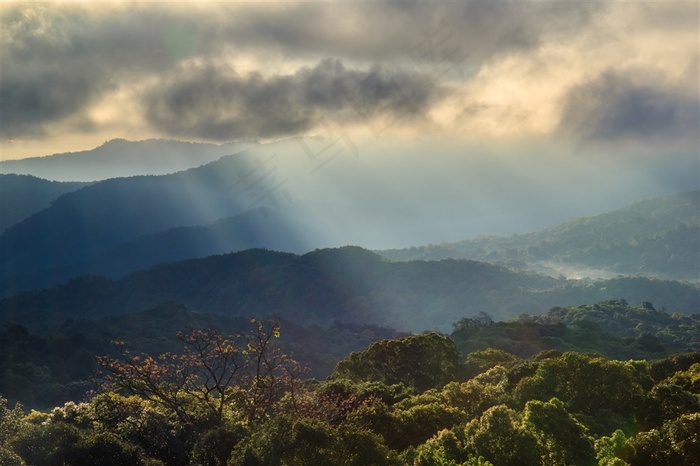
point(44, 369)
point(408, 401)
point(89, 227)
point(255, 228)
point(348, 284)
point(657, 237)
point(24, 195)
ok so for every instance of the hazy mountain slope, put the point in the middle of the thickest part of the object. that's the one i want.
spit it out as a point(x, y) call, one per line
point(655, 237)
point(86, 226)
point(340, 204)
point(256, 228)
point(24, 195)
point(348, 284)
point(81, 226)
point(120, 158)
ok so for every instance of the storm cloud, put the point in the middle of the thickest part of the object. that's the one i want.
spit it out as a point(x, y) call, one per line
point(220, 71)
point(217, 103)
point(620, 107)
point(61, 60)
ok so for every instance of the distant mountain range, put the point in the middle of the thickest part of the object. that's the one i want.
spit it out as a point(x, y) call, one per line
point(655, 237)
point(119, 158)
point(347, 284)
point(80, 227)
point(122, 245)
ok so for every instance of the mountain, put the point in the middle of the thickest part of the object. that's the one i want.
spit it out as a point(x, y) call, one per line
point(347, 284)
point(24, 195)
point(82, 228)
point(260, 227)
point(654, 237)
point(83, 225)
point(120, 158)
point(116, 226)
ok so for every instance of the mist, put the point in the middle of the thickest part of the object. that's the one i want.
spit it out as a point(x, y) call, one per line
point(390, 194)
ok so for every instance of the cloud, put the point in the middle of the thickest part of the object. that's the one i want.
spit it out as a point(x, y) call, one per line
point(57, 61)
point(214, 102)
point(619, 106)
point(61, 59)
point(387, 30)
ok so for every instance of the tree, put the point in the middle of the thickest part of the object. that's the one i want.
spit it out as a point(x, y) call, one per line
point(563, 438)
point(214, 372)
point(10, 426)
point(467, 325)
point(607, 392)
point(294, 441)
point(420, 361)
point(500, 437)
point(481, 361)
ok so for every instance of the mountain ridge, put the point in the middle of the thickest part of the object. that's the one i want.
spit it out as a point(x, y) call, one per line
point(652, 237)
point(24, 195)
point(119, 158)
point(348, 284)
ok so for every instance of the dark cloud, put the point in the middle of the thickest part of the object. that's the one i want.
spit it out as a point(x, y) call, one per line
point(58, 59)
point(426, 32)
point(616, 107)
point(27, 102)
point(216, 103)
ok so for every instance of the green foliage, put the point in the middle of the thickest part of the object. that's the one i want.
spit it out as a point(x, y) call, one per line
point(606, 391)
point(500, 436)
point(677, 443)
point(480, 361)
point(416, 424)
point(419, 361)
point(49, 445)
point(613, 329)
point(447, 449)
point(562, 436)
point(10, 458)
point(214, 447)
point(299, 442)
point(553, 409)
point(10, 421)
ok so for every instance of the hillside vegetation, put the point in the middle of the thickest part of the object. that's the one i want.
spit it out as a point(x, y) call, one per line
point(44, 369)
point(23, 195)
point(408, 401)
point(657, 237)
point(348, 284)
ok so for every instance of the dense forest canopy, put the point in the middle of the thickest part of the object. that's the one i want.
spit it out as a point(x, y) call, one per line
point(414, 400)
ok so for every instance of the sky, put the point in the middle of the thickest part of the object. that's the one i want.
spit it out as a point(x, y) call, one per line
point(579, 96)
